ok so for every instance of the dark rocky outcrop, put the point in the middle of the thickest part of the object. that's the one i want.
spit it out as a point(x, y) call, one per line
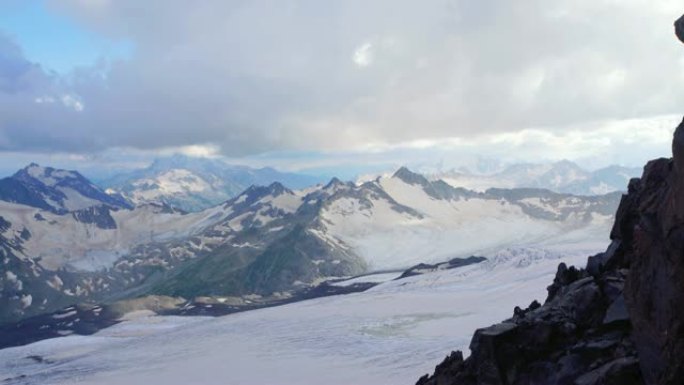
point(679, 28)
point(453, 263)
point(620, 320)
point(99, 216)
point(654, 290)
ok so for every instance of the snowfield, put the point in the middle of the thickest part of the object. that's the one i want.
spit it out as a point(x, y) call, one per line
point(390, 334)
point(389, 239)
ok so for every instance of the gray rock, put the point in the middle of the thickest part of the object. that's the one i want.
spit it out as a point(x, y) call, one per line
point(622, 371)
point(617, 312)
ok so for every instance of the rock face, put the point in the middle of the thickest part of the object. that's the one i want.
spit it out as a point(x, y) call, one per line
point(620, 320)
point(679, 28)
point(655, 286)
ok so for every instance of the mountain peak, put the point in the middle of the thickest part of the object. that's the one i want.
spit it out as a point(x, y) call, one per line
point(334, 182)
point(45, 175)
point(32, 168)
point(55, 190)
point(410, 177)
point(277, 188)
point(256, 191)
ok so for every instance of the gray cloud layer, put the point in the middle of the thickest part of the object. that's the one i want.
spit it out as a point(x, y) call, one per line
point(253, 76)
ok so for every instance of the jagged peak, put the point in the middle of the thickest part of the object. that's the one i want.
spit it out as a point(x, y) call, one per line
point(410, 177)
point(256, 192)
point(334, 182)
point(277, 188)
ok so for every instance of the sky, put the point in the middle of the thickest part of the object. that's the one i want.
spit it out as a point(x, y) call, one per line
point(338, 87)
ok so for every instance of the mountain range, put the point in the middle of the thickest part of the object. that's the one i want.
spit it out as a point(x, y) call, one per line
point(562, 177)
point(194, 184)
point(268, 241)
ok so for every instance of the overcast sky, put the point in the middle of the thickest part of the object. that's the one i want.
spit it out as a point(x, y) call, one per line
point(310, 84)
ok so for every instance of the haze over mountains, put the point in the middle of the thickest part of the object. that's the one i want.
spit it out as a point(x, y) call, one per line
point(563, 176)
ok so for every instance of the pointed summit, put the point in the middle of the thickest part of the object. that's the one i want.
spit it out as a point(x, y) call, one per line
point(277, 188)
point(254, 193)
point(334, 182)
point(410, 177)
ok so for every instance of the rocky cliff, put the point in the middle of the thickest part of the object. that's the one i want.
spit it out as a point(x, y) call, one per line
point(619, 320)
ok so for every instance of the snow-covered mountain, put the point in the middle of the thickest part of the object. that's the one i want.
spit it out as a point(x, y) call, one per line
point(57, 191)
point(563, 177)
point(194, 184)
point(271, 241)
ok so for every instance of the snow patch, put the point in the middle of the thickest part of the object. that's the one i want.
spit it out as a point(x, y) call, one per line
point(26, 301)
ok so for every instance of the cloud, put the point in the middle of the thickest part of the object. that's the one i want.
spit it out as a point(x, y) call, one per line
point(363, 56)
point(72, 102)
point(37, 110)
point(595, 144)
point(69, 101)
point(304, 75)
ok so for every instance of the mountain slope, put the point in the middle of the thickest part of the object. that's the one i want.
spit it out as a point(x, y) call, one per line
point(421, 221)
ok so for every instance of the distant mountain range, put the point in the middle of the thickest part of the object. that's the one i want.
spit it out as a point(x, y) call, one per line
point(71, 242)
point(562, 177)
point(194, 184)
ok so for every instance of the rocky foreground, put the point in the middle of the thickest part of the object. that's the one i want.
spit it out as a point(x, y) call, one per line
point(620, 320)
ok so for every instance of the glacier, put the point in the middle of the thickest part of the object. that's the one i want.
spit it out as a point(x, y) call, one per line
point(389, 334)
